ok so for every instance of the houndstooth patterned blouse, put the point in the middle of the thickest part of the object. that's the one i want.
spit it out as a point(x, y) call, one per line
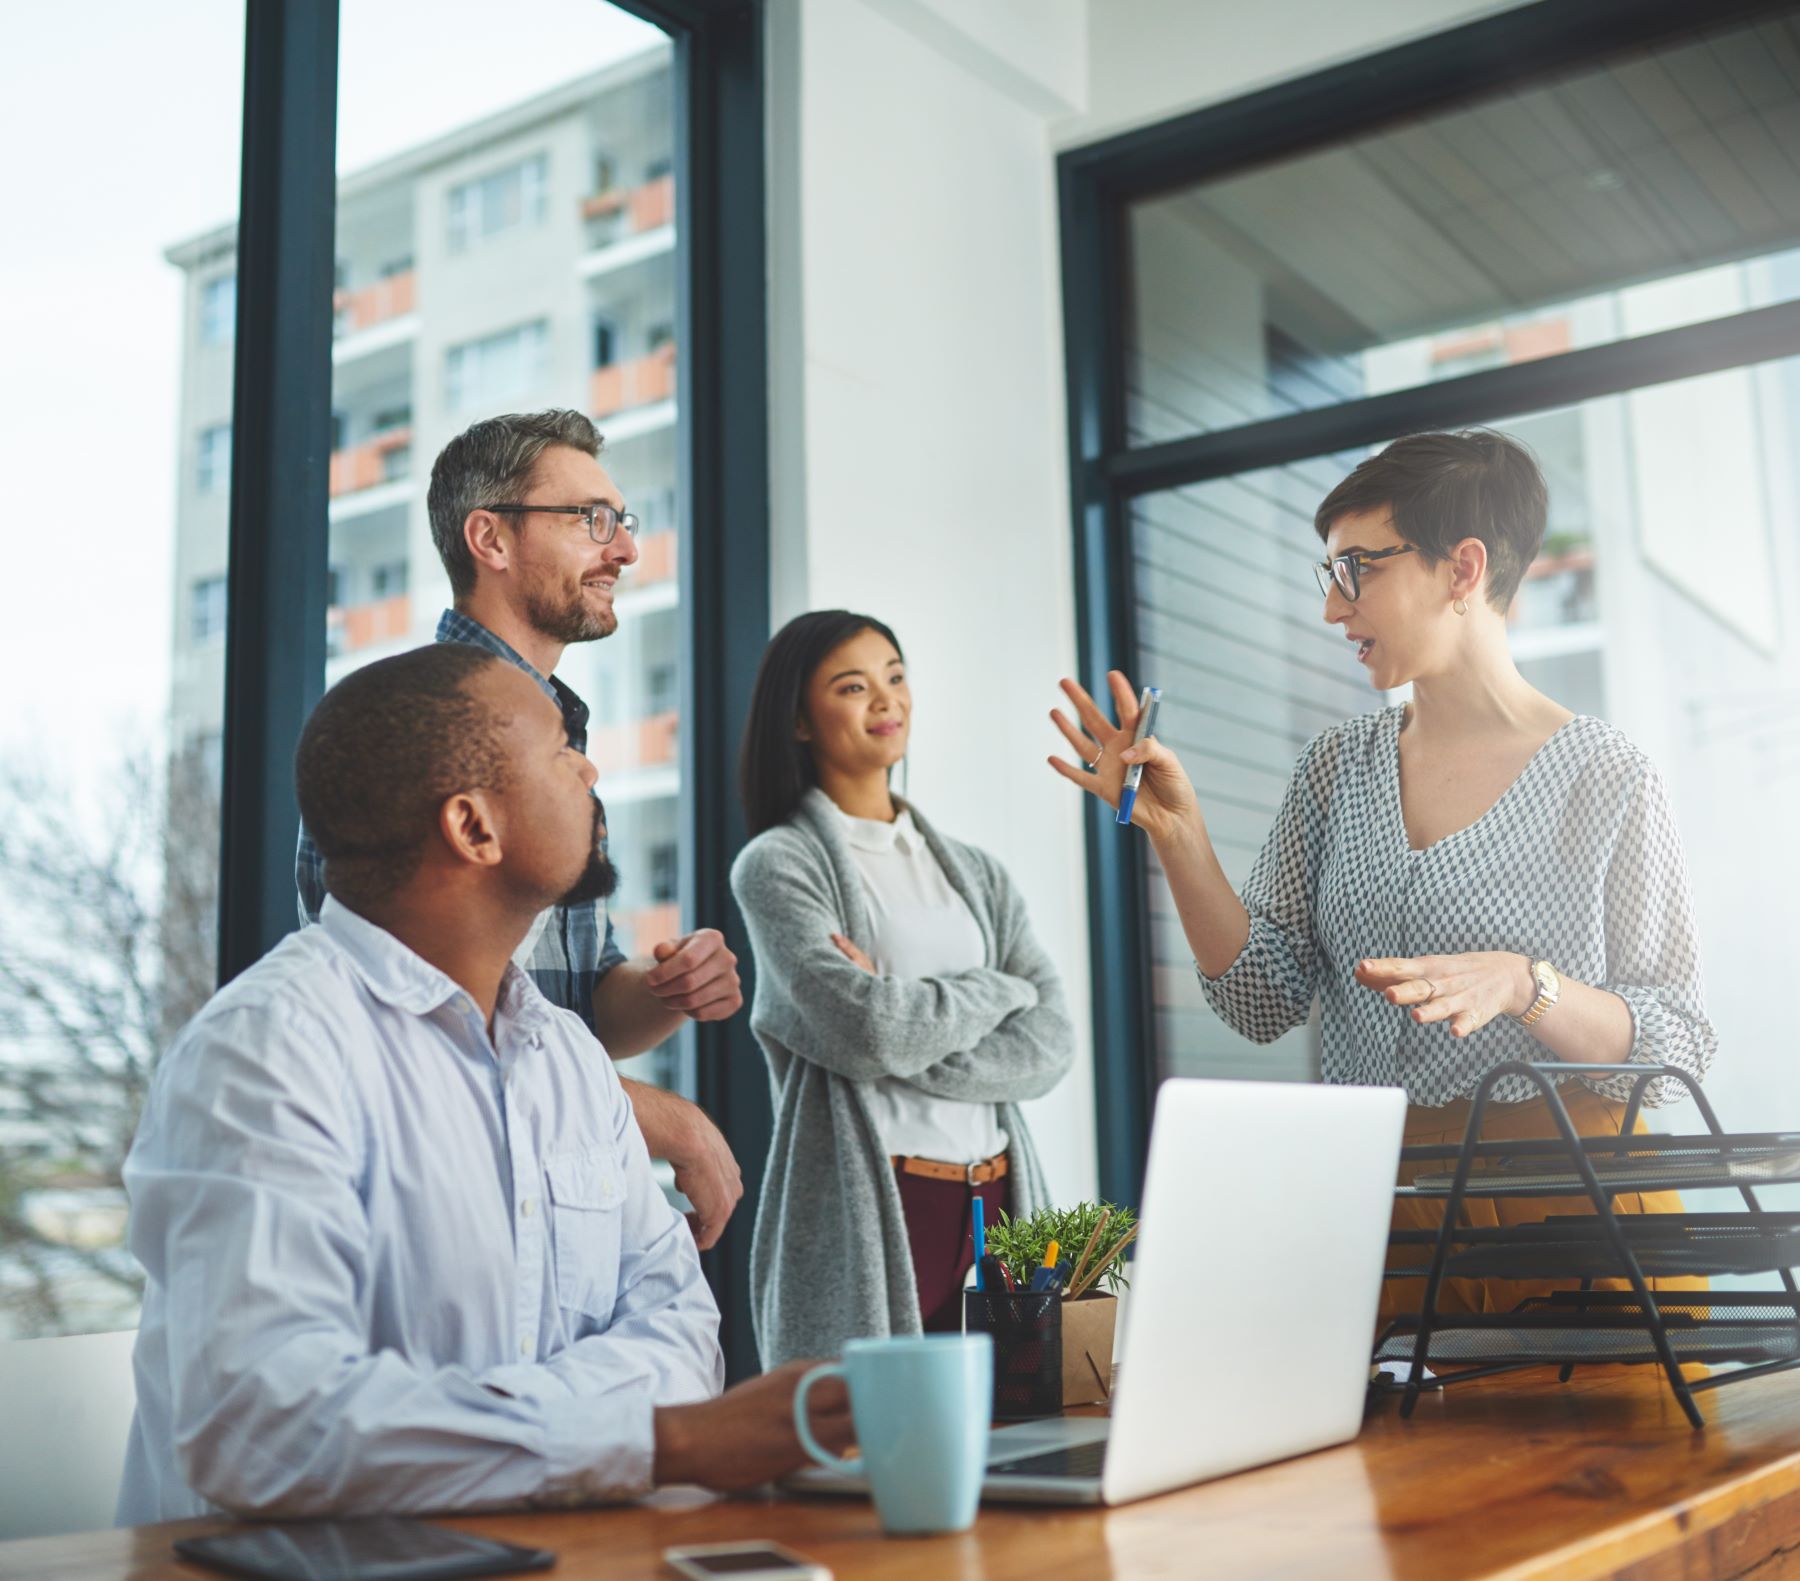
point(1578, 863)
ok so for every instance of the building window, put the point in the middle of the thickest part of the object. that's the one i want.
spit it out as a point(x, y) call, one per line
point(606, 342)
point(218, 309)
point(660, 688)
point(665, 873)
point(212, 470)
point(503, 200)
point(389, 580)
point(496, 370)
point(208, 608)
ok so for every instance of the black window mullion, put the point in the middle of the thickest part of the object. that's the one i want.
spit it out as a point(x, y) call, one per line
point(1760, 335)
point(281, 443)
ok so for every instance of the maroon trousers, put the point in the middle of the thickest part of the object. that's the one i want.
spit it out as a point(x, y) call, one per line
point(940, 1229)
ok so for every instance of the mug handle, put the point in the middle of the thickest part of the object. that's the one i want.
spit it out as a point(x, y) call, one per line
point(807, 1442)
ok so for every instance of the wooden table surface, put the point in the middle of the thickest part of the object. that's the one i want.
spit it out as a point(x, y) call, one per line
point(1510, 1476)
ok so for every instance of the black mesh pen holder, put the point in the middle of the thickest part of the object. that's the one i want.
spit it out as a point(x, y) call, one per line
point(1027, 1330)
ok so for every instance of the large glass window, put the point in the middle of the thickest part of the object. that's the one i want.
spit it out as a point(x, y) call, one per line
point(1496, 233)
point(109, 728)
point(1506, 257)
point(505, 237)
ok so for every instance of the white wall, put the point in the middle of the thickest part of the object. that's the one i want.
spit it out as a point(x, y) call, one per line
point(1151, 59)
point(919, 466)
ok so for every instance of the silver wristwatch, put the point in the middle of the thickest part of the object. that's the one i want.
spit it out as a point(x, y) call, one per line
point(1549, 990)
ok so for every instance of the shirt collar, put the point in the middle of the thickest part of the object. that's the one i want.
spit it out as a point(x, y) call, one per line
point(870, 834)
point(407, 981)
point(454, 626)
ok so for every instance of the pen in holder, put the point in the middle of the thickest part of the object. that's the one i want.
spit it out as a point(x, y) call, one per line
point(1026, 1326)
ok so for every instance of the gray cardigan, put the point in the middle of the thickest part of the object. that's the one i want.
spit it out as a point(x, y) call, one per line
point(830, 1260)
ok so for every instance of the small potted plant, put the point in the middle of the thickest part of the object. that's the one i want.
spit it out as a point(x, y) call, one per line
point(1090, 1239)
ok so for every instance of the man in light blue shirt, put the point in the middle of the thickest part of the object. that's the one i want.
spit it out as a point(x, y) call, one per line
point(404, 1247)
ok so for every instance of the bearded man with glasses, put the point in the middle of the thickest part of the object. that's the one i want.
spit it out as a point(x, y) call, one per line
point(533, 535)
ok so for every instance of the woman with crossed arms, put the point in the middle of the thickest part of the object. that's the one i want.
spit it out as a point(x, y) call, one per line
point(1474, 877)
point(903, 1003)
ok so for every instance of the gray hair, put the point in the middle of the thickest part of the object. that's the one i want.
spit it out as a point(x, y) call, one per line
point(491, 463)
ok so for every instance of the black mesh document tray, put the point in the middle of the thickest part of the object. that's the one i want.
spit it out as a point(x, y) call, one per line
point(1666, 1245)
point(1746, 1332)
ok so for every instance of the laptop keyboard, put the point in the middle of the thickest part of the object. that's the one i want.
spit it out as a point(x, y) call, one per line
point(1082, 1461)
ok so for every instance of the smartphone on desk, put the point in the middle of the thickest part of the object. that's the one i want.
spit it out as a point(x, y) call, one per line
point(379, 1548)
point(743, 1562)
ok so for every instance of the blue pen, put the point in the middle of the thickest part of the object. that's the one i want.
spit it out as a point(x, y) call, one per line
point(979, 1239)
point(1147, 706)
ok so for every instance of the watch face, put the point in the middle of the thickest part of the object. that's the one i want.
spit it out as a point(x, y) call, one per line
point(1549, 984)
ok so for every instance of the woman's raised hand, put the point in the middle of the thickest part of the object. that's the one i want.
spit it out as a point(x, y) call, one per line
point(1165, 799)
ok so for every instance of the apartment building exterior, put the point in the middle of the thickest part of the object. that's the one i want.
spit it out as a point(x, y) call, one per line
point(523, 261)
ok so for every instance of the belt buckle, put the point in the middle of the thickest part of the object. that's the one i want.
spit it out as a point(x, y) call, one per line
point(969, 1172)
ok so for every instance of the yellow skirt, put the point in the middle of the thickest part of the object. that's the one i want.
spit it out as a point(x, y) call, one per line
point(1591, 1115)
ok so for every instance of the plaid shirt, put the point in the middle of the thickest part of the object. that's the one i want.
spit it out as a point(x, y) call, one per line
point(576, 947)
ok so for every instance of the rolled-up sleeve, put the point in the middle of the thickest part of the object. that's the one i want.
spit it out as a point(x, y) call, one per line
point(1653, 945)
point(1269, 988)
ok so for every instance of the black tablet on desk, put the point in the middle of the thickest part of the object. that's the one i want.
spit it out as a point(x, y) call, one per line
point(380, 1548)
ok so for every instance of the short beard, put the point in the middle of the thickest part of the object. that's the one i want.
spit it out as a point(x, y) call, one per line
point(599, 878)
point(568, 622)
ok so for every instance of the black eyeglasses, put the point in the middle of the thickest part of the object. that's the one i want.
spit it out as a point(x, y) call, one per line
point(603, 522)
point(1346, 570)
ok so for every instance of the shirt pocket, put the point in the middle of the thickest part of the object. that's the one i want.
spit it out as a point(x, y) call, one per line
point(587, 1212)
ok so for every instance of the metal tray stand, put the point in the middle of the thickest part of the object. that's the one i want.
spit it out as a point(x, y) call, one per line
point(1759, 1331)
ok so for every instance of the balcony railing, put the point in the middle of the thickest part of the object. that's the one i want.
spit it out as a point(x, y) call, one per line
point(374, 304)
point(619, 386)
point(630, 210)
point(638, 744)
point(352, 627)
point(646, 926)
point(379, 460)
point(655, 561)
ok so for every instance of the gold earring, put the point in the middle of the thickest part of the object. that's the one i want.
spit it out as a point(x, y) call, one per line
point(1461, 606)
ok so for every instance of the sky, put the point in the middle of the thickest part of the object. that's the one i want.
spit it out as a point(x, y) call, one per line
point(122, 125)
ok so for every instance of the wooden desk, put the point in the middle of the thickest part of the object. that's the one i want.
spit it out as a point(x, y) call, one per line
point(1515, 1477)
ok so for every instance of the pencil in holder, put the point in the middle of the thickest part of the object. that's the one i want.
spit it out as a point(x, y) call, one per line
point(1026, 1326)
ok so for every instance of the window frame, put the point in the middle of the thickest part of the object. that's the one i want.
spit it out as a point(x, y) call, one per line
point(1097, 185)
point(279, 529)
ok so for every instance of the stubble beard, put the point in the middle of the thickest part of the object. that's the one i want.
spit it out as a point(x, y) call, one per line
point(568, 620)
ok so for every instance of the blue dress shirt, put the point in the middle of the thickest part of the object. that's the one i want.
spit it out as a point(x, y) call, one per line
point(395, 1264)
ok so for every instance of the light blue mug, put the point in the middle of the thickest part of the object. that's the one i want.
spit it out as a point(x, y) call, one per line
point(921, 1408)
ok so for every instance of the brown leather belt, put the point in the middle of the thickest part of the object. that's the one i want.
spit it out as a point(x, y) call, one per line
point(978, 1174)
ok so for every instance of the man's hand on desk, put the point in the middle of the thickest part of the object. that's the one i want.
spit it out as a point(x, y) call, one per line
point(747, 1436)
point(706, 1173)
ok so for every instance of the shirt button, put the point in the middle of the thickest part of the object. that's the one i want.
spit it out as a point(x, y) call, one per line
point(525, 1207)
point(524, 1347)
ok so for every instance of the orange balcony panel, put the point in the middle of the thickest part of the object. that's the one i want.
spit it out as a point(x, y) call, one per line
point(601, 204)
point(650, 925)
point(653, 204)
point(1469, 343)
point(363, 466)
point(656, 559)
point(366, 625)
point(619, 386)
point(642, 743)
point(656, 738)
point(375, 304)
point(1549, 337)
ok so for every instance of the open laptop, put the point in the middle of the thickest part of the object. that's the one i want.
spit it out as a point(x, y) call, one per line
point(1253, 1297)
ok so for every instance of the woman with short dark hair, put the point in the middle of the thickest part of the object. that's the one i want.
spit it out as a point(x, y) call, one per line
point(1474, 877)
point(901, 1001)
